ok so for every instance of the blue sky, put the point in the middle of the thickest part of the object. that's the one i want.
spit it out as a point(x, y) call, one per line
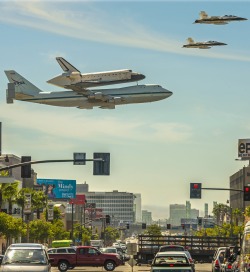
point(157, 148)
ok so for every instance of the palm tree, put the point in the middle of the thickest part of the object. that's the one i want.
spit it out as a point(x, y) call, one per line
point(9, 194)
point(237, 216)
point(219, 212)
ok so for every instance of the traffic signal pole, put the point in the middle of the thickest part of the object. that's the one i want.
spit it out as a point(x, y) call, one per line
point(224, 189)
point(45, 161)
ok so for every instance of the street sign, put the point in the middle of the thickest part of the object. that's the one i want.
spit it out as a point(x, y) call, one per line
point(101, 167)
point(79, 158)
point(131, 248)
point(7, 180)
point(27, 204)
point(50, 212)
point(244, 149)
point(132, 262)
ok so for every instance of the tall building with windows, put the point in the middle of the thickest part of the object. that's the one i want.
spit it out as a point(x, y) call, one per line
point(177, 211)
point(119, 205)
point(237, 181)
point(138, 211)
point(147, 217)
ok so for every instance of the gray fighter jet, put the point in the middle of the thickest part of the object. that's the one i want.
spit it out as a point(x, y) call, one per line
point(217, 20)
point(201, 45)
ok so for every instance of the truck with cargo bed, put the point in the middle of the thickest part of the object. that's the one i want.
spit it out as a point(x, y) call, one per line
point(200, 248)
point(84, 256)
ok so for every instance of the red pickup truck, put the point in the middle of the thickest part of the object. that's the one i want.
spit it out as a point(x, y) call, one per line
point(83, 256)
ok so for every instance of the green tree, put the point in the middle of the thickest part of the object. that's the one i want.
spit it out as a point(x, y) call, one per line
point(10, 227)
point(38, 201)
point(237, 215)
point(40, 230)
point(153, 230)
point(219, 212)
point(111, 234)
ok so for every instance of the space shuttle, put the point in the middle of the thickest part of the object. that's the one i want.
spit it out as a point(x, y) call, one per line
point(73, 79)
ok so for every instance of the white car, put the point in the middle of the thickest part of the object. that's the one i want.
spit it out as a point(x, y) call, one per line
point(176, 261)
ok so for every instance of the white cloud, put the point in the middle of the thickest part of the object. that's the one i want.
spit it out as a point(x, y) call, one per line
point(94, 25)
point(65, 122)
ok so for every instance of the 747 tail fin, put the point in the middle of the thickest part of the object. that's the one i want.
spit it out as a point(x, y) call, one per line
point(19, 88)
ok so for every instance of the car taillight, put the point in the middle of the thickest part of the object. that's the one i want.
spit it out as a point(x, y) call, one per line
point(229, 266)
point(217, 263)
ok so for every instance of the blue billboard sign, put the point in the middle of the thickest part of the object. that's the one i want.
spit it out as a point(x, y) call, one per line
point(58, 188)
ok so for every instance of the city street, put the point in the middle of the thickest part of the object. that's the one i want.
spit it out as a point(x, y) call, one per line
point(206, 267)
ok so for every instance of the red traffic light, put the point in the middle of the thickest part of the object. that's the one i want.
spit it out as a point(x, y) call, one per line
point(196, 186)
point(246, 193)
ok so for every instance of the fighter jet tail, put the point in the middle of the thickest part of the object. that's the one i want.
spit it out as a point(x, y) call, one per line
point(66, 66)
point(19, 87)
point(203, 15)
point(190, 40)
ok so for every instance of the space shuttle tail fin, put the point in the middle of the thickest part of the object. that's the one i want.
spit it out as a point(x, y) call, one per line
point(190, 40)
point(203, 15)
point(66, 66)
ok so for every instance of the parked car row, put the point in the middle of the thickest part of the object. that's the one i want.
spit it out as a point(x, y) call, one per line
point(36, 257)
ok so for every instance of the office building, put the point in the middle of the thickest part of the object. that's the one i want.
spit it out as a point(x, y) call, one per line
point(137, 208)
point(237, 181)
point(147, 217)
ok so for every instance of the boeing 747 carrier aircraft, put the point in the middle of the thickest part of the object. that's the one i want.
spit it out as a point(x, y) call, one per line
point(21, 89)
point(73, 79)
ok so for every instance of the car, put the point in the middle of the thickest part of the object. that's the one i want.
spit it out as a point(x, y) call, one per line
point(61, 250)
point(218, 260)
point(71, 249)
point(169, 248)
point(26, 257)
point(173, 261)
point(108, 250)
point(231, 254)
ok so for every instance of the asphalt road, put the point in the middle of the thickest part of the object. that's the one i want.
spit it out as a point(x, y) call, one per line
point(206, 267)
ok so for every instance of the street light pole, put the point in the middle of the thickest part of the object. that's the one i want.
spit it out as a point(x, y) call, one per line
point(72, 221)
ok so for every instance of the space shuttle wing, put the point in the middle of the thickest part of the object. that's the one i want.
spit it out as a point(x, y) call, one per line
point(66, 66)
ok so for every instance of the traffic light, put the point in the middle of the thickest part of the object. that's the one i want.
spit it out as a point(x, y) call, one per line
point(26, 169)
point(101, 167)
point(168, 226)
point(195, 190)
point(107, 219)
point(246, 193)
point(144, 226)
point(199, 221)
point(127, 225)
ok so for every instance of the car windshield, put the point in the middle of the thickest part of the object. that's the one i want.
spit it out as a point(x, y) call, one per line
point(22, 255)
point(165, 260)
point(171, 248)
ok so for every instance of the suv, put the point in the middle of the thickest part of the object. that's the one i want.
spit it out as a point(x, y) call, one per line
point(26, 257)
point(177, 248)
point(61, 250)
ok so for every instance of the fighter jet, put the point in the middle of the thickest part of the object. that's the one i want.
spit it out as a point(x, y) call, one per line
point(217, 20)
point(21, 89)
point(73, 79)
point(201, 45)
